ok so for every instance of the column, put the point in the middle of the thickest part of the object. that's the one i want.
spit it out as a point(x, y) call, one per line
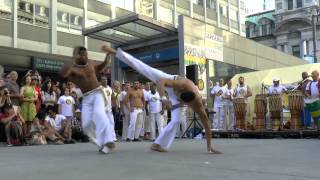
point(156, 9)
point(53, 23)
point(191, 8)
point(15, 24)
point(84, 21)
point(229, 19)
point(175, 23)
point(205, 10)
point(218, 13)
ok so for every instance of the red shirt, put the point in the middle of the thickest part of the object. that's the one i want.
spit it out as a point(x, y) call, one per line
point(39, 100)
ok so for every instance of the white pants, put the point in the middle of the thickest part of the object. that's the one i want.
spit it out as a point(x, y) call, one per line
point(182, 122)
point(168, 134)
point(151, 73)
point(95, 117)
point(125, 126)
point(135, 126)
point(230, 117)
point(218, 118)
point(155, 118)
point(164, 120)
point(147, 123)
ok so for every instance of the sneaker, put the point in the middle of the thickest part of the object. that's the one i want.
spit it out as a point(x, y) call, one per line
point(129, 140)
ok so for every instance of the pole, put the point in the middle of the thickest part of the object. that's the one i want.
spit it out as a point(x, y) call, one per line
point(314, 34)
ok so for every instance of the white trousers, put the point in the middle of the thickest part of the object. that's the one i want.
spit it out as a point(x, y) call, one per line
point(230, 117)
point(151, 73)
point(155, 118)
point(168, 134)
point(182, 122)
point(135, 125)
point(147, 123)
point(125, 126)
point(218, 118)
point(94, 117)
point(164, 121)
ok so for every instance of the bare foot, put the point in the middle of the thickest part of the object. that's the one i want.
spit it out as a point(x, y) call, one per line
point(157, 147)
point(107, 148)
point(213, 151)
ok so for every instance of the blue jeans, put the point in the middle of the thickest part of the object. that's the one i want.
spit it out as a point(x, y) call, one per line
point(305, 118)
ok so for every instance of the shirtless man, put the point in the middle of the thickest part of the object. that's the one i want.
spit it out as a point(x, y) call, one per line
point(82, 71)
point(180, 91)
point(136, 99)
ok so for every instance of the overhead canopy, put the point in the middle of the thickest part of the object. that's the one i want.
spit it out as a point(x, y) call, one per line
point(130, 29)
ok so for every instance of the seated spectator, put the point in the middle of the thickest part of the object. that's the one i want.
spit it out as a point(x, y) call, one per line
point(13, 125)
point(60, 124)
point(77, 132)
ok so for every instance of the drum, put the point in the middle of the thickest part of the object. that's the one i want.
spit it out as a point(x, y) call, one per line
point(275, 108)
point(296, 106)
point(314, 107)
point(240, 109)
point(260, 108)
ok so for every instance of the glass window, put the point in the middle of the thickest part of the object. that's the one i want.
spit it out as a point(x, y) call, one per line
point(25, 12)
point(6, 9)
point(296, 50)
point(198, 10)
point(279, 6)
point(145, 7)
point(63, 19)
point(41, 15)
point(211, 4)
point(248, 32)
point(166, 11)
point(299, 3)
point(282, 48)
point(290, 4)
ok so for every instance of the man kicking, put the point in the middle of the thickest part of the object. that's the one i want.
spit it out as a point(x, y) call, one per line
point(82, 71)
point(180, 90)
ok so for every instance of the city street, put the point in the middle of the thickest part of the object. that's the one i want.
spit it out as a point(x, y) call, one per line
point(277, 159)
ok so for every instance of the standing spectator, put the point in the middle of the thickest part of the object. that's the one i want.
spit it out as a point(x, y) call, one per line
point(28, 106)
point(49, 96)
point(13, 125)
point(13, 87)
point(56, 89)
point(115, 99)
point(155, 108)
point(228, 107)
point(74, 88)
point(313, 98)
point(217, 92)
point(124, 111)
point(305, 114)
point(147, 123)
point(66, 104)
point(36, 84)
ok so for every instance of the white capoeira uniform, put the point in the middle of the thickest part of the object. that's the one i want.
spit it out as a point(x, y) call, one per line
point(147, 123)
point(95, 117)
point(126, 116)
point(155, 108)
point(108, 92)
point(219, 116)
point(136, 123)
point(167, 135)
point(229, 110)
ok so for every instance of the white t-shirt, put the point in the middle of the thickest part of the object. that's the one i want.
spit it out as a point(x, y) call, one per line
point(276, 90)
point(108, 91)
point(314, 90)
point(146, 94)
point(121, 98)
point(228, 92)
point(67, 105)
point(155, 105)
point(218, 91)
point(57, 122)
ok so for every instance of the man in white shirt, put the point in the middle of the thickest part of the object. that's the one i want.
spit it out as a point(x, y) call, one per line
point(313, 100)
point(155, 109)
point(276, 88)
point(60, 124)
point(124, 111)
point(228, 107)
point(218, 118)
point(108, 103)
point(66, 104)
point(147, 123)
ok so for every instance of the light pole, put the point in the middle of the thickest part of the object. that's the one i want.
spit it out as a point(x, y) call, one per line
point(314, 33)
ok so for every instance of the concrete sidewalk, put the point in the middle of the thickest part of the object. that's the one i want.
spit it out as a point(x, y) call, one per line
point(276, 159)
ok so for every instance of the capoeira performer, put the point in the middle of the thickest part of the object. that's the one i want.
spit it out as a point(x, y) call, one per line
point(180, 91)
point(82, 71)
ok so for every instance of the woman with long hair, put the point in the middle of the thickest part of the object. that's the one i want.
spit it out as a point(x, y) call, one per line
point(49, 96)
point(28, 105)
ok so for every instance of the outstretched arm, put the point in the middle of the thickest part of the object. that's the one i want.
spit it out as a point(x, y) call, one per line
point(108, 49)
point(67, 68)
point(106, 62)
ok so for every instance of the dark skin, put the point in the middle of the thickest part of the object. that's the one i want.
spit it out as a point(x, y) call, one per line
point(180, 86)
point(82, 71)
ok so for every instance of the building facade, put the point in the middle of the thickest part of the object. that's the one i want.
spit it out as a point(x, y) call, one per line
point(288, 28)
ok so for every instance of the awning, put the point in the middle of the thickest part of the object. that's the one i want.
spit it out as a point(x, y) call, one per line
point(131, 29)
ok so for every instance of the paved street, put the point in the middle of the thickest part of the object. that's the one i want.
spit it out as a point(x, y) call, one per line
point(276, 159)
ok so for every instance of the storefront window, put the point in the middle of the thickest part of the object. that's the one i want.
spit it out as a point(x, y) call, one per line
point(166, 11)
point(145, 7)
point(6, 9)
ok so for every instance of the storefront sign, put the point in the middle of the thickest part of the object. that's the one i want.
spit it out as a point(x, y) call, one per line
point(213, 46)
point(47, 64)
point(157, 56)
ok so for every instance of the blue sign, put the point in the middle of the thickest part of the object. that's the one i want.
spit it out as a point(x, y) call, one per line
point(157, 56)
